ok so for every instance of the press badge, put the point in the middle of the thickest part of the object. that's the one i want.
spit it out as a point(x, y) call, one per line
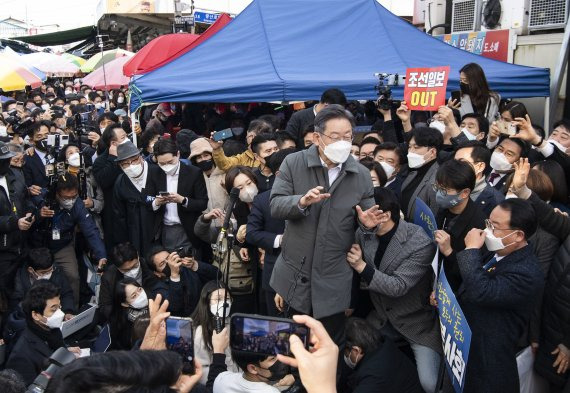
point(55, 234)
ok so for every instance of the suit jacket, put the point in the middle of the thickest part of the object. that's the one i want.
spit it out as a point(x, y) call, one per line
point(191, 185)
point(35, 171)
point(29, 356)
point(297, 124)
point(261, 232)
point(500, 186)
point(498, 305)
point(424, 191)
point(401, 286)
point(489, 198)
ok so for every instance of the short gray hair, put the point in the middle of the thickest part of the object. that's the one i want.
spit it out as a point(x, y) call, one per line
point(15, 148)
point(331, 112)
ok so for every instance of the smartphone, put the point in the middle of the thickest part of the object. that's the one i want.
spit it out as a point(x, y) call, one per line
point(512, 129)
point(456, 95)
point(266, 335)
point(179, 339)
point(223, 134)
point(164, 194)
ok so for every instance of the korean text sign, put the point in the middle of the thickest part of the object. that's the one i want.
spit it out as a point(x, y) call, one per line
point(423, 216)
point(455, 333)
point(424, 88)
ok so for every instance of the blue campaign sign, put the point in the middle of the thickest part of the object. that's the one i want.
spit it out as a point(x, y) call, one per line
point(455, 333)
point(205, 17)
point(423, 216)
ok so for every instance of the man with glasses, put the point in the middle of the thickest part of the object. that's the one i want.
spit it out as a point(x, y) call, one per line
point(322, 192)
point(498, 293)
point(132, 220)
point(509, 151)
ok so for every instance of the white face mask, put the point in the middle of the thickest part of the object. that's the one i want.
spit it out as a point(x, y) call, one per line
point(68, 92)
point(438, 125)
point(355, 157)
point(67, 204)
point(120, 100)
point(43, 276)
point(45, 107)
point(416, 160)
point(141, 301)
point(559, 145)
point(218, 308)
point(388, 169)
point(134, 272)
point(248, 193)
point(56, 320)
point(338, 152)
point(3, 131)
point(74, 160)
point(352, 365)
point(169, 169)
point(124, 141)
point(494, 243)
point(469, 135)
point(98, 105)
point(500, 163)
point(134, 170)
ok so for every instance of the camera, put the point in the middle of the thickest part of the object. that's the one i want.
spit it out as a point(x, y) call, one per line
point(57, 141)
point(18, 125)
point(57, 112)
point(384, 90)
point(57, 360)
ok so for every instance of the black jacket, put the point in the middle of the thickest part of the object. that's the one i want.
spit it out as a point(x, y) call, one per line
point(29, 356)
point(11, 210)
point(191, 185)
point(261, 232)
point(385, 370)
point(183, 296)
point(489, 198)
point(297, 124)
point(35, 171)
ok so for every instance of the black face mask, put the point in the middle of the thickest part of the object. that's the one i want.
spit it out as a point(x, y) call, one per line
point(42, 145)
point(166, 271)
point(464, 87)
point(4, 167)
point(205, 166)
point(278, 371)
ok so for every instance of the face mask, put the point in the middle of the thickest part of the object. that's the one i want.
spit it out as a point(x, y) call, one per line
point(56, 320)
point(74, 160)
point(278, 371)
point(67, 204)
point(349, 362)
point(134, 171)
point(120, 100)
point(141, 301)
point(355, 157)
point(45, 107)
point(438, 125)
point(218, 308)
point(388, 169)
point(169, 169)
point(447, 201)
point(42, 276)
point(338, 152)
point(464, 87)
point(247, 194)
point(124, 141)
point(416, 160)
point(98, 105)
point(205, 166)
point(3, 131)
point(68, 92)
point(494, 243)
point(42, 145)
point(469, 135)
point(557, 144)
point(4, 167)
point(134, 272)
point(499, 162)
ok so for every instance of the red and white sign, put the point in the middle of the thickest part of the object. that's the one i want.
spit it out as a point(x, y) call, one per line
point(425, 88)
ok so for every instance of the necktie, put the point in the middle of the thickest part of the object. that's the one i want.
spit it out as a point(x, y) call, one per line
point(490, 266)
point(492, 177)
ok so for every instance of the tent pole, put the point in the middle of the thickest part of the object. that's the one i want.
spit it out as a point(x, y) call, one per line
point(546, 122)
point(556, 82)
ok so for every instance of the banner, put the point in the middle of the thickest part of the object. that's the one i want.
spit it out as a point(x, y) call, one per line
point(423, 216)
point(455, 333)
point(425, 88)
point(491, 44)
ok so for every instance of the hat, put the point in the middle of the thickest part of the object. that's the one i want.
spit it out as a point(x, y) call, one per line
point(199, 146)
point(120, 112)
point(5, 152)
point(126, 150)
point(164, 108)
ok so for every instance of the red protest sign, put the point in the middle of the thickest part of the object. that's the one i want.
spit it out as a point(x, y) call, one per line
point(425, 88)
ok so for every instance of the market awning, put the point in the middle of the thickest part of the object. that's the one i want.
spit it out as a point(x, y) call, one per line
point(60, 37)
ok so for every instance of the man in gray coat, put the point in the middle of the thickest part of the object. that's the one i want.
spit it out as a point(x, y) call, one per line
point(394, 264)
point(321, 192)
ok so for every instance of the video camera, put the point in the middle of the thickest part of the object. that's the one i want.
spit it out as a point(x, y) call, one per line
point(384, 90)
point(18, 124)
point(57, 360)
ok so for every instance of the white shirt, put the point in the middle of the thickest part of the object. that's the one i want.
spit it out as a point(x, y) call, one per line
point(41, 155)
point(140, 182)
point(205, 357)
point(171, 214)
point(546, 149)
point(4, 184)
point(228, 382)
point(333, 172)
point(497, 179)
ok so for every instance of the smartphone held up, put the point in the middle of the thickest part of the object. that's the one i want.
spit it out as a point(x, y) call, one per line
point(180, 340)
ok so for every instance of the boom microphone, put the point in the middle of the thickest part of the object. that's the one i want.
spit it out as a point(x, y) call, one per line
point(234, 196)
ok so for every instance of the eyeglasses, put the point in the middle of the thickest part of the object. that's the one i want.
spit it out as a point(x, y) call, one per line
point(128, 163)
point(369, 155)
point(489, 225)
point(336, 139)
point(437, 188)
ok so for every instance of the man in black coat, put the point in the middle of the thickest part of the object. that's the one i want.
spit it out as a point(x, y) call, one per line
point(176, 213)
point(497, 295)
point(35, 164)
point(306, 117)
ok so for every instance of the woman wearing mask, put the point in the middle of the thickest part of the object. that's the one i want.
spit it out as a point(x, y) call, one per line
point(201, 157)
point(377, 173)
point(209, 310)
point(502, 124)
point(129, 303)
point(476, 96)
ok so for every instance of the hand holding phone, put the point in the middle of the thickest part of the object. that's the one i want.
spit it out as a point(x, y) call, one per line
point(219, 136)
point(179, 339)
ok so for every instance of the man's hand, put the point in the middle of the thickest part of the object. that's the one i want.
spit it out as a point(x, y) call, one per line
point(522, 169)
point(175, 198)
point(386, 113)
point(279, 302)
point(244, 254)
point(526, 130)
point(159, 201)
point(372, 217)
point(318, 367)
point(94, 138)
point(242, 231)
point(403, 112)
point(443, 240)
point(261, 257)
point(137, 128)
point(215, 145)
point(113, 149)
point(101, 264)
point(313, 196)
point(46, 213)
point(155, 335)
point(494, 132)
point(446, 115)
point(174, 261)
point(433, 299)
point(190, 263)
point(287, 380)
point(35, 190)
point(475, 238)
point(354, 258)
point(186, 382)
point(220, 341)
point(214, 213)
point(453, 104)
point(23, 224)
point(562, 359)
point(68, 317)
point(88, 203)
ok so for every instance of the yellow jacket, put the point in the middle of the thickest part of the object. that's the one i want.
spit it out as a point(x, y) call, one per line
point(226, 163)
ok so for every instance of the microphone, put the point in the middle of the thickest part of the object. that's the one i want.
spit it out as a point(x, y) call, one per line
point(234, 196)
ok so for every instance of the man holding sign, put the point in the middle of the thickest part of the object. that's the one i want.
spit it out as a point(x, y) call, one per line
point(497, 295)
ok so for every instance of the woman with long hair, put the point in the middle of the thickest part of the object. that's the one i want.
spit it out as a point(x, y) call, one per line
point(129, 303)
point(476, 96)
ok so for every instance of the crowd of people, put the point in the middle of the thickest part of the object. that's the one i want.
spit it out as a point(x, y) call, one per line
point(131, 218)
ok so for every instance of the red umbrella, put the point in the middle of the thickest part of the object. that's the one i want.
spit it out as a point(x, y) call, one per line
point(113, 76)
point(168, 47)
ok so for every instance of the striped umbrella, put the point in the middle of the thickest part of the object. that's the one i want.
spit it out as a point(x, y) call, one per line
point(51, 64)
point(78, 61)
point(15, 75)
point(103, 58)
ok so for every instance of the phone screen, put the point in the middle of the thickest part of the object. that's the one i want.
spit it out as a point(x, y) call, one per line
point(221, 135)
point(179, 339)
point(164, 193)
point(265, 335)
point(456, 95)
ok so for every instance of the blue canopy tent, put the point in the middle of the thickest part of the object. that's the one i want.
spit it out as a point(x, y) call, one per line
point(293, 50)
